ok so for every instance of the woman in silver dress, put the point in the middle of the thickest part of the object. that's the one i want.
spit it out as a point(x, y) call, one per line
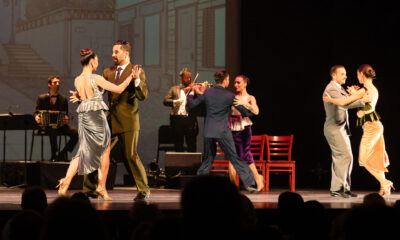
point(94, 134)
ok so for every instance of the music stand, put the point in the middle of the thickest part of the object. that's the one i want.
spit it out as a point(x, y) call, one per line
point(15, 121)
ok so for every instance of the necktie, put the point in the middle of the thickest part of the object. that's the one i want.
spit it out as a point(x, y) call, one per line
point(118, 73)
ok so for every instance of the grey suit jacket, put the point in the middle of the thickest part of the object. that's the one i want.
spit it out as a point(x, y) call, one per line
point(337, 116)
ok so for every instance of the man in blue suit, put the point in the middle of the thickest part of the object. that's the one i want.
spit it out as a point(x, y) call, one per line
point(218, 102)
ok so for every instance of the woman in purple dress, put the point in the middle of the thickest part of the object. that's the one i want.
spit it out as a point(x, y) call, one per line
point(241, 129)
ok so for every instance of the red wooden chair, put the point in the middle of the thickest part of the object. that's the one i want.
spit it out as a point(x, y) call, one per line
point(279, 158)
point(257, 150)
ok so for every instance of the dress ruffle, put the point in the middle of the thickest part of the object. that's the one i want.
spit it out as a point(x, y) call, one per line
point(91, 104)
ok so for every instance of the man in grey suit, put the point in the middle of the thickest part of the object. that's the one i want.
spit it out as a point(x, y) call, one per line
point(337, 132)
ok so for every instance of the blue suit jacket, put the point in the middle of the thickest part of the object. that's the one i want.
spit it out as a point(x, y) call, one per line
point(218, 102)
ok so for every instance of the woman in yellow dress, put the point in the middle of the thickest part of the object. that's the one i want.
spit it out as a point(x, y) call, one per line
point(372, 153)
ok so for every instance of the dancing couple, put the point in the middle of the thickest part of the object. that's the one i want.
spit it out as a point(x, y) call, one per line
point(372, 153)
point(92, 159)
point(218, 103)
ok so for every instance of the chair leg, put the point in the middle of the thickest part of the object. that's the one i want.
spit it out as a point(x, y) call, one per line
point(32, 139)
point(263, 174)
point(293, 188)
point(41, 148)
point(267, 180)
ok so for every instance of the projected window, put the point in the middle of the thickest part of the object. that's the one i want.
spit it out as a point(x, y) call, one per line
point(214, 37)
point(152, 40)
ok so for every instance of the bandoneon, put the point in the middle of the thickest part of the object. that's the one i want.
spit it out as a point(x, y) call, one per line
point(53, 119)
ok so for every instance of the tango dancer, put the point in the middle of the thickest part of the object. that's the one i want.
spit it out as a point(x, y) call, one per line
point(94, 134)
point(241, 129)
point(218, 102)
point(124, 118)
point(372, 155)
point(337, 132)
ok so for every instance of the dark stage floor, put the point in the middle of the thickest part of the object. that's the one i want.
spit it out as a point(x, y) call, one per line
point(168, 199)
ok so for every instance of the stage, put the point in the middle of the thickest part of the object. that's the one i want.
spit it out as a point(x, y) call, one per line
point(169, 199)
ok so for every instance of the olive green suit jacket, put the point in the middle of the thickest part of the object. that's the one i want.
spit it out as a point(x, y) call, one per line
point(124, 107)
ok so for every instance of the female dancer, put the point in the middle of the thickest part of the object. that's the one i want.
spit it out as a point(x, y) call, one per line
point(94, 133)
point(241, 129)
point(372, 154)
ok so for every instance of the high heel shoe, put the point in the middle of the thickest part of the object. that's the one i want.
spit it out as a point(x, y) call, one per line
point(103, 193)
point(386, 189)
point(260, 183)
point(62, 186)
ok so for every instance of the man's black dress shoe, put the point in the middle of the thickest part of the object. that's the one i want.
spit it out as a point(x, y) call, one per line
point(141, 196)
point(91, 195)
point(252, 190)
point(339, 194)
point(351, 194)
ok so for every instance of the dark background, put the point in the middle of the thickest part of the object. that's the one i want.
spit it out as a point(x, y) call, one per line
point(287, 49)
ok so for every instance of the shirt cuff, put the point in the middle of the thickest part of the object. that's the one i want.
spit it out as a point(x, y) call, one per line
point(137, 81)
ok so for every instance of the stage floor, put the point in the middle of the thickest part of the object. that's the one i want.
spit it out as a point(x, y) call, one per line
point(169, 199)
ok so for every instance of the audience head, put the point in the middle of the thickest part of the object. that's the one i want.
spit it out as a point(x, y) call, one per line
point(290, 201)
point(80, 196)
point(374, 199)
point(74, 219)
point(26, 224)
point(34, 198)
point(371, 222)
point(213, 200)
point(121, 52)
point(142, 217)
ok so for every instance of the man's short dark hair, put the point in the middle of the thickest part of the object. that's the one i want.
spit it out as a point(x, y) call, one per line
point(52, 77)
point(125, 45)
point(219, 76)
point(334, 68)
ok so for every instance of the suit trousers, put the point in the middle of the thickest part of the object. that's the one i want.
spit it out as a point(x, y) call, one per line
point(67, 130)
point(184, 127)
point(128, 141)
point(228, 147)
point(342, 157)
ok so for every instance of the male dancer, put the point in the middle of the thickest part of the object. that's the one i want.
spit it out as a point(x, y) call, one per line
point(218, 103)
point(124, 113)
point(337, 132)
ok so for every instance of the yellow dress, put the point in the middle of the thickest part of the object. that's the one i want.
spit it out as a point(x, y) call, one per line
point(372, 147)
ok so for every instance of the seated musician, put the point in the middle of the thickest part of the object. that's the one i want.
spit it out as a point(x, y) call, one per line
point(56, 102)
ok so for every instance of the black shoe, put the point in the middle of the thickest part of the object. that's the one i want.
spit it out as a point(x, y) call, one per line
point(351, 194)
point(252, 190)
point(53, 159)
point(91, 195)
point(141, 197)
point(339, 194)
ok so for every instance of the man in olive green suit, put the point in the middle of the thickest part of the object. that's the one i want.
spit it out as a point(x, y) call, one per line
point(124, 120)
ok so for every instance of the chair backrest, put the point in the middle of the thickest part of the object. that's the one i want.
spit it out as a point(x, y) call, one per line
point(279, 147)
point(257, 146)
point(220, 155)
point(165, 135)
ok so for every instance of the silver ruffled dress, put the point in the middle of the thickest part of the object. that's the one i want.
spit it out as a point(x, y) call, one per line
point(93, 130)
